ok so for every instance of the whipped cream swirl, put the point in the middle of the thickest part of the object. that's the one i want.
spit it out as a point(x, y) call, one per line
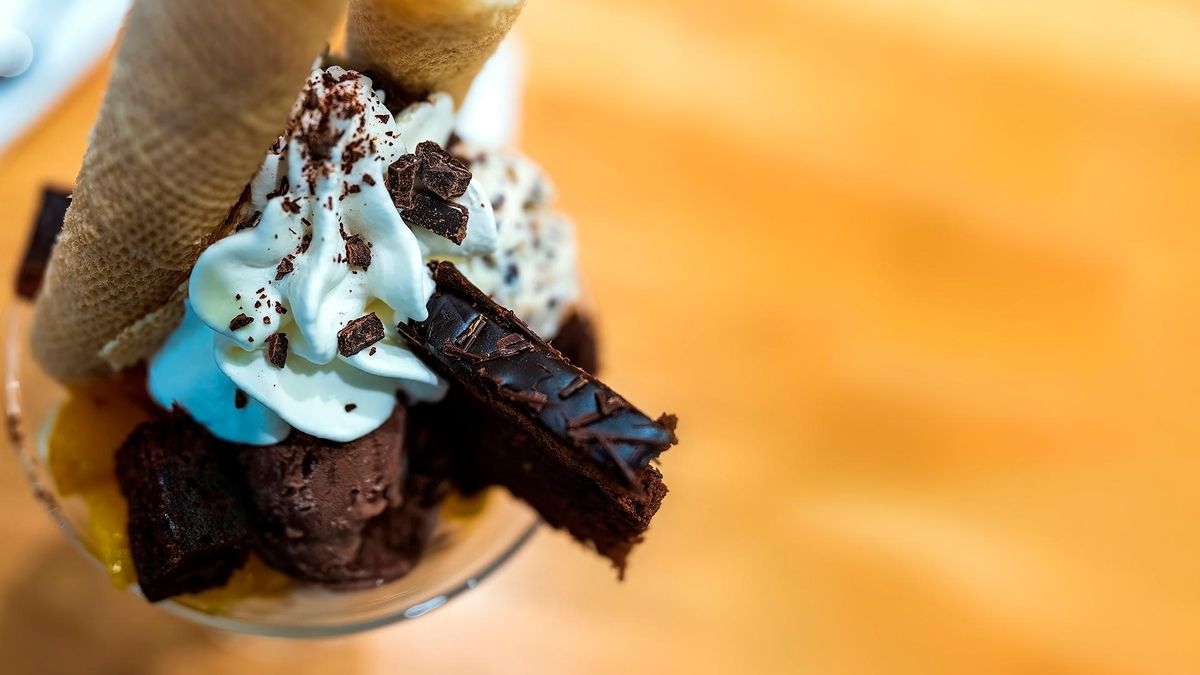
point(287, 270)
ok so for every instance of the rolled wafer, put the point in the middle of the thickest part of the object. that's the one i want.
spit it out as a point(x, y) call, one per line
point(198, 92)
point(425, 46)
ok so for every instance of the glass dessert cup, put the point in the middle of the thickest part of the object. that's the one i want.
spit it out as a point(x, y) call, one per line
point(473, 539)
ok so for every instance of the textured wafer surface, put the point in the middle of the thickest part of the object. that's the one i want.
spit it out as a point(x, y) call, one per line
point(198, 92)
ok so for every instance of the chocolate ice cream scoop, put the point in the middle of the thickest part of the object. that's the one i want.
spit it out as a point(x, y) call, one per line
point(324, 510)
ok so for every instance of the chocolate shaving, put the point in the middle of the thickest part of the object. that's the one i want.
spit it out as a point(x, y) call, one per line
point(402, 181)
point(239, 322)
point(445, 219)
point(285, 268)
point(573, 386)
point(442, 173)
point(358, 252)
point(281, 189)
point(535, 399)
point(360, 334)
point(249, 223)
point(277, 349)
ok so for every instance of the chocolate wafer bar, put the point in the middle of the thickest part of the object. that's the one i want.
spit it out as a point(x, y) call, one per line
point(187, 524)
point(553, 434)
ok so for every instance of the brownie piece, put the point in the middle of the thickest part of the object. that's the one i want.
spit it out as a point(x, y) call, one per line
point(51, 213)
point(551, 433)
point(187, 523)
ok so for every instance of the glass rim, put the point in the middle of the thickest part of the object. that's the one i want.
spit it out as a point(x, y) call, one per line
point(28, 438)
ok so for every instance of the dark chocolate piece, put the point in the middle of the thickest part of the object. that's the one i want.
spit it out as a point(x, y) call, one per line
point(249, 223)
point(549, 432)
point(240, 399)
point(445, 219)
point(187, 525)
point(277, 349)
point(486, 348)
point(51, 213)
point(239, 322)
point(358, 252)
point(360, 334)
point(402, 181)
point(442, 173)
point(285, 267)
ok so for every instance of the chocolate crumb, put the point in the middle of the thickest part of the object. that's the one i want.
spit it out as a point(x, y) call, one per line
point(239, 322)
point(440, 172)
point(267, 320)
point(351, 406)
point(277, 349)
point(240, 399)
point(280, 309)
point(358, 252)
point(285, 268)
point(360, 334)
point(368, 179)
point(371, 352)
point(445, 219)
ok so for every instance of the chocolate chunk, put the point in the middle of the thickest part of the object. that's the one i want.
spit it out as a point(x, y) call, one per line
point(48, 224)
point(402, 181)
point(360, 334)
point(551, 433)
point(440, 172)
point(187, 525)
point(358, 252)
point(239, 322)
point(284, 268)
point(277, 349)
point(445, 219)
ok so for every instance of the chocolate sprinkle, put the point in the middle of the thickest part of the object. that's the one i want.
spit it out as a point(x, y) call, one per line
point(444, 219)
point(358, 252)
point(277, 349)
point(360, 334)
point(442, 173)
point(402, 181)
point(239, 322)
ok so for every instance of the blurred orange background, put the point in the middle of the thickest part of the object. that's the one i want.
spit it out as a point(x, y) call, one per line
point(921, 280)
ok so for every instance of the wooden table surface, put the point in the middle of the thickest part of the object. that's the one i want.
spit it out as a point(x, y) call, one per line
point(920, 279)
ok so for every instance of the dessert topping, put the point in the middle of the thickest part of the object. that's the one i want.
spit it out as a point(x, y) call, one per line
point(442, 173)
point(277, 349)
point(360, 334)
